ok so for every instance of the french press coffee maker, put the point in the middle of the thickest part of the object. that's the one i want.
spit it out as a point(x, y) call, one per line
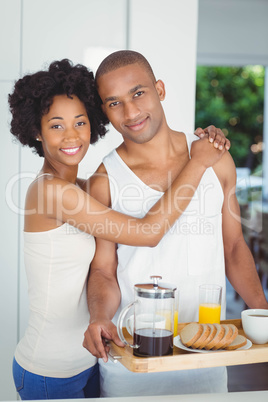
point(153, 320)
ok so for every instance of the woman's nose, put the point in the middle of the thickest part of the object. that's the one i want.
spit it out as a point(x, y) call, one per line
point(71, 133)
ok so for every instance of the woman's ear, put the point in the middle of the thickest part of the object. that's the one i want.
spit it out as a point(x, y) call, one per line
point(39, 138)
point(161, 90)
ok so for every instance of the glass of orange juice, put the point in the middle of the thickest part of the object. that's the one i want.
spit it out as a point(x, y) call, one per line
point(167, 315)
point(176, 313)
point(210, 304)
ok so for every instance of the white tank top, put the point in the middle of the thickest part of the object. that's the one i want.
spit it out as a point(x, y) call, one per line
point(57, 264)
point(190, 254)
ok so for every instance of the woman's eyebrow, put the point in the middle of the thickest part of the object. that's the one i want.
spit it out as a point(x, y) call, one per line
point(56, 118)
point(61, 118)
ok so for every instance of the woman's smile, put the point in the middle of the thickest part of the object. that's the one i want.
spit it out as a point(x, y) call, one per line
point(71, 150)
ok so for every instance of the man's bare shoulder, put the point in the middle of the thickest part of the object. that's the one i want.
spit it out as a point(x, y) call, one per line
point(179, 140)
point(178, 135)
point(225, 170)
point(226, 162)
point(98, 186)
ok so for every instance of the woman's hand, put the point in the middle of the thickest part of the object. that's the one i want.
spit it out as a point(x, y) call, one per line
point(204, 153)
point(215, 136)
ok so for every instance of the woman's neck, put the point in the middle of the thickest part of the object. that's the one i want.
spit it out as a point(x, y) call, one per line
point(68, 173)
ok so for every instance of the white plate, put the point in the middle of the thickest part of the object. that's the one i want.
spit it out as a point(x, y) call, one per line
point(177, 342)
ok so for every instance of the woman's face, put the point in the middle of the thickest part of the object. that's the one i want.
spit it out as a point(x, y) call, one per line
point(65, 131)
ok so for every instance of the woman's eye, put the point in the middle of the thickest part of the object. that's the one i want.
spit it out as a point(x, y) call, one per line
point(113, 104)
point(56, 126)
point(81, 123)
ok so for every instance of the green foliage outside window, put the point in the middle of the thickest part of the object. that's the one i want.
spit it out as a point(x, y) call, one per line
point(232, 99)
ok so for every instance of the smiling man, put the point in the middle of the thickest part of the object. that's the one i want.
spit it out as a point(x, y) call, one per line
point(130, 180)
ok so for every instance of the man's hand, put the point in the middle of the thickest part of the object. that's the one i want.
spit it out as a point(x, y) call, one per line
point(215, 135)
point(96, 336)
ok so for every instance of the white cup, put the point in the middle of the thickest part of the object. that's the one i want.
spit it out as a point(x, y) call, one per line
point(255, 325)
point(145, 321)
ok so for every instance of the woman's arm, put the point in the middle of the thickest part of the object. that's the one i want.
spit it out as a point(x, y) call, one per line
point(73, 205)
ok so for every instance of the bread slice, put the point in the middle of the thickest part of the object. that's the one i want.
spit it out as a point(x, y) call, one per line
point(235, 329)
point(211, 335)
point(234, 335)
point(238, 342)
point(228, 333)
point(217, 337)
point(190, 333)
point(202, 337)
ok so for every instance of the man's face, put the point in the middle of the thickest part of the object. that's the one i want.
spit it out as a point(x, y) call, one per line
point(132, 102)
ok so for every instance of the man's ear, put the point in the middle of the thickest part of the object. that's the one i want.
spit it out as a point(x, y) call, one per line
point(161, 90)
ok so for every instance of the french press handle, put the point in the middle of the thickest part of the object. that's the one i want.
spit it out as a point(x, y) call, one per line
point(120, 325)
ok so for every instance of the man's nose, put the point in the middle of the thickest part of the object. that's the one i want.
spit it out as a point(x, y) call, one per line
point(131, 111)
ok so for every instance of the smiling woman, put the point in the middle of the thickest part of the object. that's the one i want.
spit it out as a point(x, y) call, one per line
point(65, 131)
point(57, 113)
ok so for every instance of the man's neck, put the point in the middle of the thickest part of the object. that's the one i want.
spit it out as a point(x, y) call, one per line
point(156, 163)
point(160, 149)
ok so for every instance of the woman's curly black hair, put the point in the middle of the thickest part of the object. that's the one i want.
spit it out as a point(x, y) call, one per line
point(33, 95)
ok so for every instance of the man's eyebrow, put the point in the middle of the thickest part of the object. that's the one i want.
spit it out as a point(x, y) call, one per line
point(131, 91)
point(110, 99)
point(136, 88)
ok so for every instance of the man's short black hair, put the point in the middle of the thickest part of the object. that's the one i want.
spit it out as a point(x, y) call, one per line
point(123, 58)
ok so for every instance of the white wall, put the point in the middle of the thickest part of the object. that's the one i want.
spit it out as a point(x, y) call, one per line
point(9, 166)
point(232, 32)
point(35, 32)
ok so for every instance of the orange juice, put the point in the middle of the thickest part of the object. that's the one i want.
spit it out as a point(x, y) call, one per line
point(167, 315)
point(175, 323)
point(209, 313)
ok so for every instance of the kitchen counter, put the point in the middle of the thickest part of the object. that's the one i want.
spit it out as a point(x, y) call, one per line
point(256, 396)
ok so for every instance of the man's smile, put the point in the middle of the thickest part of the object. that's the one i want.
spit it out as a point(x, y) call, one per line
point(137, 125)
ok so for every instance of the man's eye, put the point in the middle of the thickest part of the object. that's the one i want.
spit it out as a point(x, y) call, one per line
point(139, 93)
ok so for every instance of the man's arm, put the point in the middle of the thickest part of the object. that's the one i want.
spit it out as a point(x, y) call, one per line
point(103, 291)
point(103, 300)
point(239, 263)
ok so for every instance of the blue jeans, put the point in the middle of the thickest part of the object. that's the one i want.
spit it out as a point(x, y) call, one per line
point(32, 386)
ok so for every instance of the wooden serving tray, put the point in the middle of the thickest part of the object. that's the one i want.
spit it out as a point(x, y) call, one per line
point(184, 360)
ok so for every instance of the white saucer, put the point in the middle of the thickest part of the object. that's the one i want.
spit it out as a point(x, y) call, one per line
point(177, 342)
